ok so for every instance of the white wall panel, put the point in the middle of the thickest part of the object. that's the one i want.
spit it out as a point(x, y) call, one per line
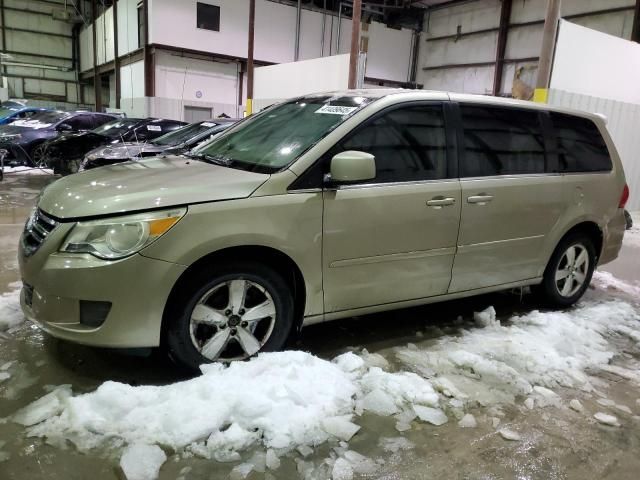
point(461, 80)
point(611, 68)
point(623, 122)
point(278, 82)
point(128, 25)
point(195, 80)
point(132, 80)
point(389, 54)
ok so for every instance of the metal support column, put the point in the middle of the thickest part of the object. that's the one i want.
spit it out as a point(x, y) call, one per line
point(116, 58)
point(97, 82)
point(355, 43)
point(546, 52)
point(149, 67)
point(635, 32)
point(503, 32)
point(296, 52)
point(252, 18)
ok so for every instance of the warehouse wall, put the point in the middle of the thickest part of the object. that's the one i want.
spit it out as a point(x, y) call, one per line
point(127, 35)
point(32, 36)
point(174, 23)
point(441, 48)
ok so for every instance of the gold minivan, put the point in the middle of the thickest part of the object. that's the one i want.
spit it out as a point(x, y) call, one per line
point(324, 207)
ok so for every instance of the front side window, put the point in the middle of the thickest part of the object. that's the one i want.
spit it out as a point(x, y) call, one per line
point(581, 147)
point(501, 141)
point(408, 143)
point(274, 138)
point(80, 122)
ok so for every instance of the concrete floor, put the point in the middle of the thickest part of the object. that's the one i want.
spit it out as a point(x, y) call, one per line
point(556, 444)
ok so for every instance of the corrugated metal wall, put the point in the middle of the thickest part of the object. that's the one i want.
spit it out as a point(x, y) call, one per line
point(624, 126)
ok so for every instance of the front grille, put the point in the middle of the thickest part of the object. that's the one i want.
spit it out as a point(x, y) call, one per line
point(38, 227)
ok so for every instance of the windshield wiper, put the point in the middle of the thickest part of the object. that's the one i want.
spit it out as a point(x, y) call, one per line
point(215, 159)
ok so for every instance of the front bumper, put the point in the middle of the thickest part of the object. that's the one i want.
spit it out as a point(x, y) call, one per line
point(137, 288)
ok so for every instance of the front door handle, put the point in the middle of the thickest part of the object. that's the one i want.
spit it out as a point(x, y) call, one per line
point(439, 202)
point(481, 199)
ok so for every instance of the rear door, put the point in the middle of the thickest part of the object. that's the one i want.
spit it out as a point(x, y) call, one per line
point(511, 198)
point(393, 238)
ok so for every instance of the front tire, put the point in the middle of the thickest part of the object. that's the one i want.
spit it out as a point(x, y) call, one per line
point(232, 314)
point(569, 271)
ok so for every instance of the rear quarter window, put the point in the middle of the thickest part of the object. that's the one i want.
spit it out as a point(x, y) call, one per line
point(581, 147)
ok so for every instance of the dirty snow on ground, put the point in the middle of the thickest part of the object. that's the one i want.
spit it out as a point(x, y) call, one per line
point(290, 402)
point(607, 281)
point(10, 312)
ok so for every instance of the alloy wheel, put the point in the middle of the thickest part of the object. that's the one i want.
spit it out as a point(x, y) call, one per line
point(572, 270)
point(233, 320)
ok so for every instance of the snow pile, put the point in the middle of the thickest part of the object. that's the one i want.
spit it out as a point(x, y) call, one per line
point(10, 312)
point(606, 281)
point(532, 354)
point(280, 399)
point(142, 462)
point(27, 171)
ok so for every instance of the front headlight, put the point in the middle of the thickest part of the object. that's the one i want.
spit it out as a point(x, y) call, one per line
point(119, 237)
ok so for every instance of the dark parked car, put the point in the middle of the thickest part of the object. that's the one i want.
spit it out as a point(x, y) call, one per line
point(65, 152)
point(629, 219)
point(22, 137)
point(11, 111)
point(175, 142)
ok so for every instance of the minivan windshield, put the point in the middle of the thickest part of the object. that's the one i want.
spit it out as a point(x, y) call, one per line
point(272, 139)
point(116, 128)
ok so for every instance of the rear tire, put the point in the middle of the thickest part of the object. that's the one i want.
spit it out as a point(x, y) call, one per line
point(569, 271)
point(232, 313)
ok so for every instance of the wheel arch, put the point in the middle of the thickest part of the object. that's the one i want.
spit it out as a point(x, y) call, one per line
point(274, 258)
point(588, 227)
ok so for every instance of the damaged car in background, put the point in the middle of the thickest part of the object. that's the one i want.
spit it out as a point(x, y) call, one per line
point(24, 139)
point(65, 153)
point(176, 142)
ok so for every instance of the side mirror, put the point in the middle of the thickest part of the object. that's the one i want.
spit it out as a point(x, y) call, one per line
point(352, 166)
point(64, 127)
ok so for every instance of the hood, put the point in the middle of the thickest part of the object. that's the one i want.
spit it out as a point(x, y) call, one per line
point(145, 185)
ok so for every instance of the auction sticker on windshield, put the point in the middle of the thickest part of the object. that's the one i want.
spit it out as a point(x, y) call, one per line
point(336, 109)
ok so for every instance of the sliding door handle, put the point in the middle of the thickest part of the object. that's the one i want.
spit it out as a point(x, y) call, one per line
point(439, 202)
point(481, 199)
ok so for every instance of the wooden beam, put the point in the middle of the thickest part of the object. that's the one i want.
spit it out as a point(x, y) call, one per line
point(545, 63)
point(355, 43)
point(503, 32)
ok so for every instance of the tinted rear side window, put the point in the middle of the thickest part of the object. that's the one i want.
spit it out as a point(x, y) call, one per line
point(501, 141)
point(409, 143)
point(581, 147)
